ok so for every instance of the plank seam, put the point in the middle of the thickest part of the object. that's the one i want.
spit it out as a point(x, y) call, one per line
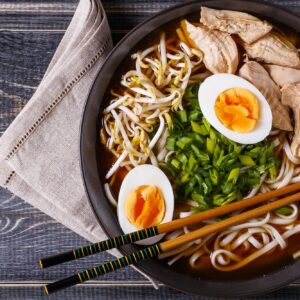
point(89, 283)
point(31, 30)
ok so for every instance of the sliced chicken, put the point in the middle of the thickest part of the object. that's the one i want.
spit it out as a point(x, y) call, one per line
point(291, 98)
point(259, 77)
point(219, 49)
point(274, 48)
point(283, 75)
point(249, 28)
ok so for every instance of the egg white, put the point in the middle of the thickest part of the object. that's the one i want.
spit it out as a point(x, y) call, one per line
point(145, 175)
point(213, 86)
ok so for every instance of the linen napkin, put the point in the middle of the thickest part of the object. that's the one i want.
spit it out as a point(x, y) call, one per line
point(39, 152)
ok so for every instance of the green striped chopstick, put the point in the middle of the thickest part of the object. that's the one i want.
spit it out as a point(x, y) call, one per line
point(133, 258)
point(155, 250)
point(126, 239)
point(91, 249)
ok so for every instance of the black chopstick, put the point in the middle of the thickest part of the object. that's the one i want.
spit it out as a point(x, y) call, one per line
point(126, 239)
point(155, 250)
point(113, 265)
point(91, 249)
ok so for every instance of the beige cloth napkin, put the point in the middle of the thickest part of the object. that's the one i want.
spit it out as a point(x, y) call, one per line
point(39, 152)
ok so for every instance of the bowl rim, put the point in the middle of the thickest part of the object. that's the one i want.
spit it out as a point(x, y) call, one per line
point(90, 174)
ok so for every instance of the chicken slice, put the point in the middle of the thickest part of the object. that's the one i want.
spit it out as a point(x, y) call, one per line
point(219, 49)
point(274, 48)
point(283, 75)
point(259, 77)
point(291, 98)
point(248, 27)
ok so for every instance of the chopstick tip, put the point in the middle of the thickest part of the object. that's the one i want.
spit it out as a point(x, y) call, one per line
point(46, 290)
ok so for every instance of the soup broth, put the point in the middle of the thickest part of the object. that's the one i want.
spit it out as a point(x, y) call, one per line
point(203, 268)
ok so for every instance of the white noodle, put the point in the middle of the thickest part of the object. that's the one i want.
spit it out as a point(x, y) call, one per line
point(174, 234)
point(116, 165)
point(130, 114)
point(163, 52)
point(162, 154)
point(158, 133)
point(168, 155)
point(153, 159)
point(184, 214)
point(115, 104)
point(192, 203)
point(175, 251)
point(162, 141)
point(109, 195)
point(296, 255)
point(185, 48)
point(289, 154)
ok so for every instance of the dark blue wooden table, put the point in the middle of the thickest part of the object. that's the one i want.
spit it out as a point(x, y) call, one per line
point(29, 34)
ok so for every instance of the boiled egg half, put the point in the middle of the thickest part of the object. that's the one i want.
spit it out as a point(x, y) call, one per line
point(145, 199)
point(235, 108)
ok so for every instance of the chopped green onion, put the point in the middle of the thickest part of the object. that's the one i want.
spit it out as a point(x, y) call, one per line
point(183, 159)
point(194, 115)
point(182, 116)
point(246, 160)
point(192, 163)
point(205, 165)
point(206, 124)
point(233, 175)
point(210, 145)
point(167, 168)
point(232, 197)
point(185, 177)
point(201, 129)
point(227, 187)
point(201, 202)
point(218, 200)
point(273, 172)
point(286, 210)
point(214, 176)
point(201, 155)
point(197, 139)
point(170, 143)
point(175, 163)
point(183, 142)
point(255, 150)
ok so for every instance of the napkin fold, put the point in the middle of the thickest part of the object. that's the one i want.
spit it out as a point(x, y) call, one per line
point(39, 152)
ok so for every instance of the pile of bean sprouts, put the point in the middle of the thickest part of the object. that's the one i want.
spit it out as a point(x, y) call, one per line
point(156, 86)
point(151, 90)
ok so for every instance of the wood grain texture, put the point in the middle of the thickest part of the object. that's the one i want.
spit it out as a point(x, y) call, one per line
point(29, 34)
point(120, 292)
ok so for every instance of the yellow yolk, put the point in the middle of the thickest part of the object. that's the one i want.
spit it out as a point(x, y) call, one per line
point(237, 109)
point(145, 206)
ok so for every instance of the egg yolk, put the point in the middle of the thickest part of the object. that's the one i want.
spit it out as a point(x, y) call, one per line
point(237, 109)
point(145, 206)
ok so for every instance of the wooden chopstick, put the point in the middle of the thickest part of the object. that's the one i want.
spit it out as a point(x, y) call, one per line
point(126, 239)
point(159, 248)
point(237, 219)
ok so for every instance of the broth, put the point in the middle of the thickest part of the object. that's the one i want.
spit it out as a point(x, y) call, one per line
point(265, 264)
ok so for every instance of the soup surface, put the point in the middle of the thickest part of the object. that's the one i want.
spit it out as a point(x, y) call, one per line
point(279, 141)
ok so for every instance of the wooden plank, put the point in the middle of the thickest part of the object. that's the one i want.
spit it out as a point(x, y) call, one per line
point(26, 235)
point(30, 33)
point(119, 292)
point(24, 58)
point(54, 17)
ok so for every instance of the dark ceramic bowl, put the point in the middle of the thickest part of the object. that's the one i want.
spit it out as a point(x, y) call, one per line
point(91, 159)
